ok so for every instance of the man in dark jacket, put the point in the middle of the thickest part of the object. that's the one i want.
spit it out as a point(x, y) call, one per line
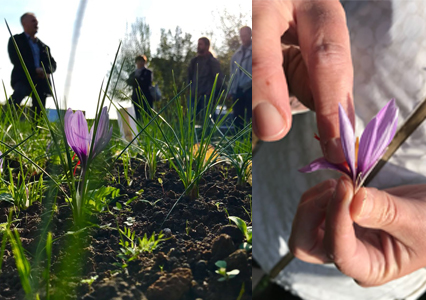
point(141, 78)
point(202, 72)
point(36, 55)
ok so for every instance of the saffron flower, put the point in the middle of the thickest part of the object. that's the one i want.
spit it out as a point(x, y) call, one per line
point(79, 138)
point(361, 159)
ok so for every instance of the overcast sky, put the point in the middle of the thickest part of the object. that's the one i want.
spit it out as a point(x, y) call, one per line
point(103, 26)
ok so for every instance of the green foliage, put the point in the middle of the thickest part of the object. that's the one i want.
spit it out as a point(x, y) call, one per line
point(170, 64)
point(240, 295)
point(22, 264)
point(4, 230)
point(249, 213)
point(239, 155)
point(131, 246)
point(127, 167)
point(189, 151)
point(226, 275)
point(148, 145)
point(246, 230)
point(99, 199)
point(90, 280)
point(49, 263)
point(22, 193)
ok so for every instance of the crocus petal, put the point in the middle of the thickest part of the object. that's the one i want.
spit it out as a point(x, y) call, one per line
point(378, 135)
point(347, 139)
point(387, 120)
point(103, 133)
point(77, 134)
point(366, 146)
point(322, 164)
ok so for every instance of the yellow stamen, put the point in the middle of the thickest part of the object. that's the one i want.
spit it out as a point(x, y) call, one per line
point(356, 151)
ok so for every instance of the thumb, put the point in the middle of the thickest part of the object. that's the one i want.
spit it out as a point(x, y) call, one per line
point(372, 208)
point(271, 109)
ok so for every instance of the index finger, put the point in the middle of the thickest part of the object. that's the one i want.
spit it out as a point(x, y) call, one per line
point(271, 109)
point(324, 43)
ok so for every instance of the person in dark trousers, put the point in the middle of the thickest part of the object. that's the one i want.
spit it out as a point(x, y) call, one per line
point(202, 71)
point(141, 81)
point(36, 55)
point(241, 90)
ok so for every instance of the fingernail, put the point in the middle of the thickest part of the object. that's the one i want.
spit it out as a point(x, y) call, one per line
point(267, 121)
point(333, 151)
point(366, 207)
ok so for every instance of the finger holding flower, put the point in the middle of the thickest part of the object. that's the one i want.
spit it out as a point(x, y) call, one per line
point(372, 236)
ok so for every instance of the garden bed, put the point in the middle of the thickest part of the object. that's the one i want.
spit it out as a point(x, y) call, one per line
point(198, 233)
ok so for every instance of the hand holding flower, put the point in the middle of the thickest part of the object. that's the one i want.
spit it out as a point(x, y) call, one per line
point(373, 236)
point(363, 156)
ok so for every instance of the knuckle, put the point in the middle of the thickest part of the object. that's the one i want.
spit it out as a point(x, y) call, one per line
point(327, 54)
point(388, 213)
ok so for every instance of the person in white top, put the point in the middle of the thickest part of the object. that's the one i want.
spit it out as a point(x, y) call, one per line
point(360, 54)
point(241, 89)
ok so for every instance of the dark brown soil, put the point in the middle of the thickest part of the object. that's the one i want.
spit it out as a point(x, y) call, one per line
point(181, 268)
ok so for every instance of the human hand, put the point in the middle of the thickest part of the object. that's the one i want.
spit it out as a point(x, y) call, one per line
point(320, 74)
point(40, 73)
point(374, 237)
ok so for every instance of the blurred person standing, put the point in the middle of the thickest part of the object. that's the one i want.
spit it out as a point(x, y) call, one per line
point(241, 89)
point(36, 56)
point(202, 71)
point(141, 78)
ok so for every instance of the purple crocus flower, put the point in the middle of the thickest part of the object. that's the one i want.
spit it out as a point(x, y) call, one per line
point(377, 135)
point(79, 138)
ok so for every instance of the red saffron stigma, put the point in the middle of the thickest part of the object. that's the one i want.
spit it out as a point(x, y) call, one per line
point(317, 137)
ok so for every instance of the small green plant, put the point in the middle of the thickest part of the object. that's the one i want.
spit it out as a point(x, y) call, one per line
point(190, 153)
point(246, 230)
point(127, 167)
point(243, 289)
point(132, 247)
point(226, 275)
point(23, 193)
point(249, 213)
point(160, 181)
point(99, 199)
point(90, 280)
point(218, 204)
point(148, 144)
point(239, 154)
